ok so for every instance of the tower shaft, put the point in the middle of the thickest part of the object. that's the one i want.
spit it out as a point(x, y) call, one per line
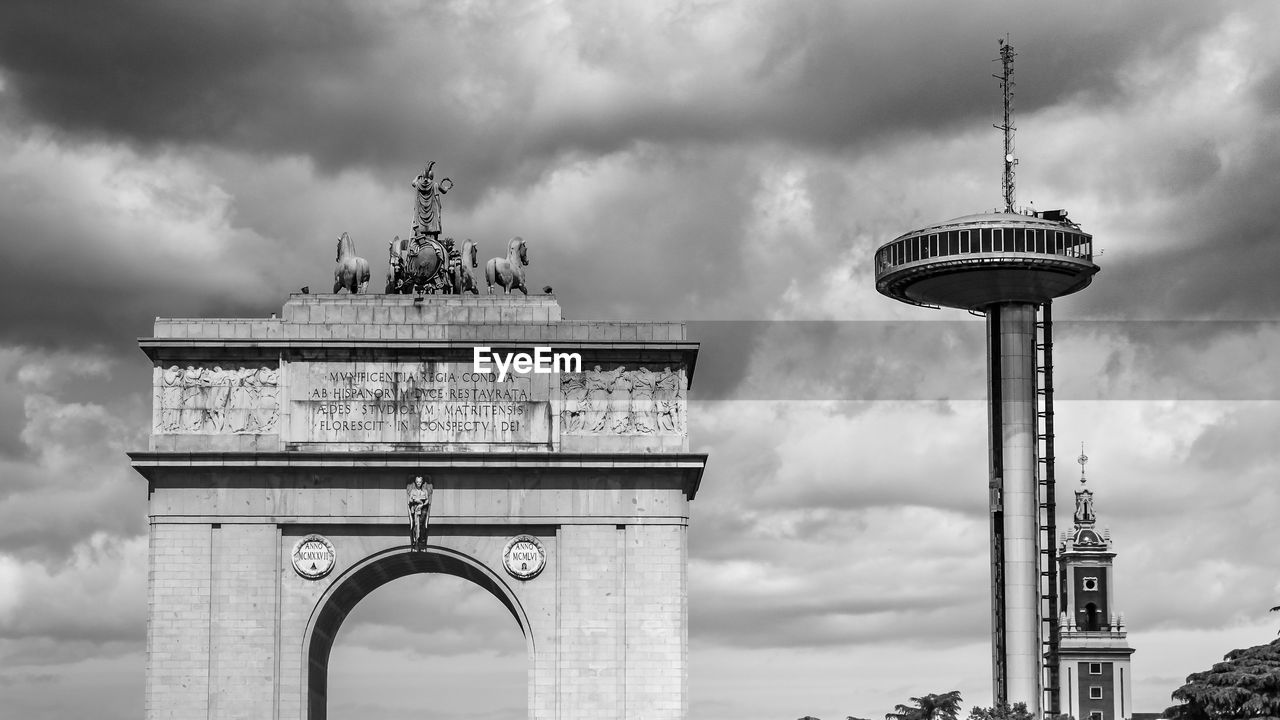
point(1015, 514)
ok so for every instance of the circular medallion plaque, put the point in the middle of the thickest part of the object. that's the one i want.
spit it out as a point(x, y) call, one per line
point(524, 557)
point(314, 557)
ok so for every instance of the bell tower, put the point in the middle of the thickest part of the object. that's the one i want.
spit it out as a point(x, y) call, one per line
point(1093, 654)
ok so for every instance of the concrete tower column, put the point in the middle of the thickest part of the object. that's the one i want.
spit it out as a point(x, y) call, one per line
point(1008, 265)
point(1013, 396)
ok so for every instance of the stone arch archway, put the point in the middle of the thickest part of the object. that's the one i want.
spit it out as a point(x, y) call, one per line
point(368, 575)
point(264, 431)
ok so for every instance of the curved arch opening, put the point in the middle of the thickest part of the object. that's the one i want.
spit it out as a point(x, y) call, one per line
point(1092, 618)
point(371, 574)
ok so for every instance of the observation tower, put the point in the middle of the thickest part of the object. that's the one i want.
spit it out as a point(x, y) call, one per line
point(1008, 266)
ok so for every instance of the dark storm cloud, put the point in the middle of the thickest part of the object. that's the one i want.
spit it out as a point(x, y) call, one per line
point(86, 285)
point(504, 100)
point(660, 235)
point(173, 72)
point(294, 78)
point(104, 314)
point(1220, 242)
point(823, 360)
point(107, 247)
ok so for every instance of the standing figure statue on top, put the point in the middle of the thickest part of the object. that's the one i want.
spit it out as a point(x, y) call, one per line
point(426, 207)
point(420, 263)
point(427, 263)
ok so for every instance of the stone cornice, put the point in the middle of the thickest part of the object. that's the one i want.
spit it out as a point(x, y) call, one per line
point(156, 465)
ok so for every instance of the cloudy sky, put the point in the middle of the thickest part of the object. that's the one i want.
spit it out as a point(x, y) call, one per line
point(731, 164)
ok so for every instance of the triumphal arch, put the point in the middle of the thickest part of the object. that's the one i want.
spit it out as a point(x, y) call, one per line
point(296, 463)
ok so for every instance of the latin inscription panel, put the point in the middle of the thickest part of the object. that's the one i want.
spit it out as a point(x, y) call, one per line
point(422, 403)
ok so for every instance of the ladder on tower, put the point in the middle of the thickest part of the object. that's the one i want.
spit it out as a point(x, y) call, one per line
point(1049, 636)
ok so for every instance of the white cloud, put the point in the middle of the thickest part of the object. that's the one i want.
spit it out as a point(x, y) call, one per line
point(99, 594)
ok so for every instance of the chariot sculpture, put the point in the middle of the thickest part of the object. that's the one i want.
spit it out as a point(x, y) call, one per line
point(425, 263)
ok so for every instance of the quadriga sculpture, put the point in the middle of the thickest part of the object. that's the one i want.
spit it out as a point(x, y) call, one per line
point(352, 272)
point(508, 272)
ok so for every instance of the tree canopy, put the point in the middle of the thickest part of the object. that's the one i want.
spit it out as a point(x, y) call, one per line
point(1246, 684)
point(929, 707)
point(1001, 711)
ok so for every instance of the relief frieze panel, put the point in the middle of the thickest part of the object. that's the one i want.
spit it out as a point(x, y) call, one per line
point(217, 400)
point(623, 402)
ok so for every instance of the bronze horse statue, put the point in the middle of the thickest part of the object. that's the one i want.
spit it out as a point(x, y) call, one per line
point(352, 272)
point(463, 280)
point(508, 272)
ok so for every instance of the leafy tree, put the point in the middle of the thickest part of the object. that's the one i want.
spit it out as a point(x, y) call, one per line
point(1001, 711)
point(1245, 685)
point(929, 707)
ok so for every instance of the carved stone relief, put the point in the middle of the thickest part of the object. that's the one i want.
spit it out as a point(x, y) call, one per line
point(216, 400)
point(623, 402)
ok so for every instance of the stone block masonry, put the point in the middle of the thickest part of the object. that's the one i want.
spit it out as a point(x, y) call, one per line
point(655, 591)
point(243, 593)
point(178, 582)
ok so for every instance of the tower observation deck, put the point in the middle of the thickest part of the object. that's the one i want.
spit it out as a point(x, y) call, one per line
point(1009, 267)
point(977, 261)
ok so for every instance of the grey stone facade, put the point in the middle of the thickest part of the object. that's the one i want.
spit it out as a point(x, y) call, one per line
point(246, 458)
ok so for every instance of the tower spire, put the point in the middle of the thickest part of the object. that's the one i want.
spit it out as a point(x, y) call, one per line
point(1006, 86)
point(1084, 516)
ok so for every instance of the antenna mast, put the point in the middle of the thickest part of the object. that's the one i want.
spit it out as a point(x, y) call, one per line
point(1006, 85)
